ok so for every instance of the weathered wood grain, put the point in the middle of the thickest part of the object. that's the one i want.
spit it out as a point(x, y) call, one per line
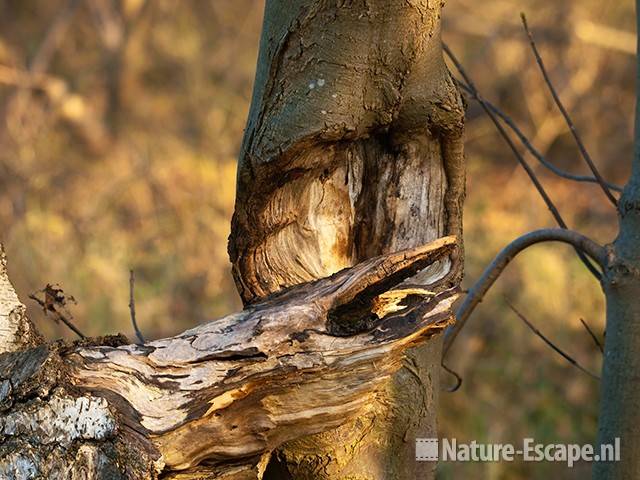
point(213, 401)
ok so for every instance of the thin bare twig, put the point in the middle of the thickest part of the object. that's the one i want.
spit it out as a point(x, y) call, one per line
point(458, 378)
point(565, 114)
point(493, 271)
point(593, 335)
point(55, 302)
point(534, 151)
point(564, 355)
point(132, 306)
point(532, 176)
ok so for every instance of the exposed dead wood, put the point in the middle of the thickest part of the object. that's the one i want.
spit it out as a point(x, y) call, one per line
point(353, 149)
point(211, 402)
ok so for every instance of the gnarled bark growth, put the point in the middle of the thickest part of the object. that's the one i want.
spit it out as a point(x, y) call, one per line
point(353, 149)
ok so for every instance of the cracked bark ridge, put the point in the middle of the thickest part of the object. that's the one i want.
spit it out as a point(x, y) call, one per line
point(214, 401)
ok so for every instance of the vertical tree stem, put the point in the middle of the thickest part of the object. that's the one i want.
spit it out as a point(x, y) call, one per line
point(620, 395)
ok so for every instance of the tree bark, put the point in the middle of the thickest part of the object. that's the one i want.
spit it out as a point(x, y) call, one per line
point(353, 148)
point(16, 330)
point(352, 158)
point(620, 387)
point(214, 401)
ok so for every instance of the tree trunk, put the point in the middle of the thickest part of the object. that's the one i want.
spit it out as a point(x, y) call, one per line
point(352, 158)
point(353, 148)
point(620, 388)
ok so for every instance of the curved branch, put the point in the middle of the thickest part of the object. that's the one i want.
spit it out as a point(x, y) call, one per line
point(581, 243)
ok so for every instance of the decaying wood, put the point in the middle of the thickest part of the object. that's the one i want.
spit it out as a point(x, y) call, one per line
point(213, 401)
point(353, 144)
point(353, 148)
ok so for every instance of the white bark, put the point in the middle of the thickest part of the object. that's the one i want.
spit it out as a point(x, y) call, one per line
point(16, 331)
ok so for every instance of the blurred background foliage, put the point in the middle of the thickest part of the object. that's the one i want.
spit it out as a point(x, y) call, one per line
point(120, 123)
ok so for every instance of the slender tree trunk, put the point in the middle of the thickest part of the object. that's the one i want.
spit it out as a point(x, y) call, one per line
point(353, 148)
point(620, 394)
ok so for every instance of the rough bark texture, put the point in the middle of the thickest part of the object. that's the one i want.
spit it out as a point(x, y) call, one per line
point(352, 152)
point(620, 388)
point(214, 401)
point(353, 148)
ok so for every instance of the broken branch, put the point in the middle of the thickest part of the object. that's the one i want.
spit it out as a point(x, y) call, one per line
point(226, 393)
point(55, 302)
point(132, 306)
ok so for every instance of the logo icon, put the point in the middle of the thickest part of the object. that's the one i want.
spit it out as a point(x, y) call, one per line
point(426, 449)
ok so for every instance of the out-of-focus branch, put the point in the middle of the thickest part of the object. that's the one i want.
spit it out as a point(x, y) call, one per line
point(115, 28)
point(587, 31)
point(53, 38)
point(24, 79)
point(71, 107)
point(495, 269)
point(592, 335)
point(533, 150)
point(532, 176)
point(555, 348)
point(565, 114)
point(606, 37)
point(39, 64)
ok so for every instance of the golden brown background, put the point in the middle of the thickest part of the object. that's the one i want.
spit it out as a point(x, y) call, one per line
point(120, 123)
